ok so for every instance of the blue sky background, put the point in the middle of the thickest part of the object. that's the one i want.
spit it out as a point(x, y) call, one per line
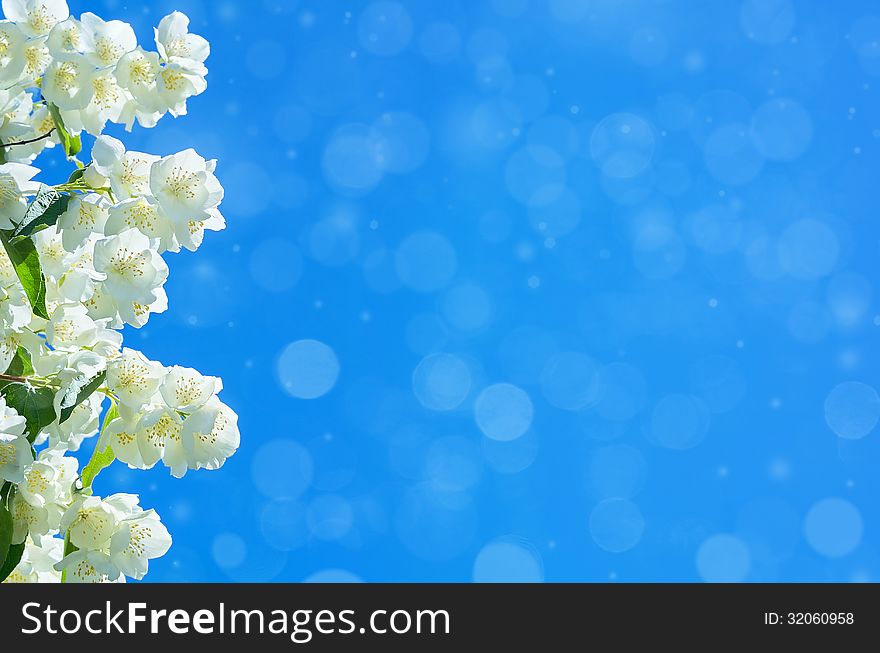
point(575, 290)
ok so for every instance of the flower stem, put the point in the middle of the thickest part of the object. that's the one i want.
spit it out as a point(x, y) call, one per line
point(30, 140)
point(25, 379)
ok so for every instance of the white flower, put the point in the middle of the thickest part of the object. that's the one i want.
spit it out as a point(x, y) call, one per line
point(65, 470)
point(107, 342)
point(15, 124)
point(67, 82)
point(137, 71)
point(139, 539)
point(145, 115)
point(136, 314)
point(11, 423)
point(82, 424)
point(210, 435)
point(128, 172)
point(36, 60)
point(85, 215)
point(37, 564)
point(15, 179)
point(106, 41)
point(191, 233)
point(108, 100)
point(90, 522)
point(133, 378)
point(145, 215)
point(92, 177)
point(70, 328)
point(36, 17)
point(179, 80)
point(185, 389)
point(16, 105)
point(39, 487)
point(125, 504)
point(15, 450)
point(12, 59)
point(89, 567)
point(9, 344)
point(15, 456)
point(102, 305)
point(66, 38)
point(185, 186)
point(174, 40)
point(121, 435)
point(158, 437)
point(40, 123)
point(133, 267)
point(55, 260)
point(79, 282)
point(36, 521)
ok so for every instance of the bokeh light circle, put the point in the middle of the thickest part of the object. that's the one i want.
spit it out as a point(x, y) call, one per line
point(535, 175)
point(622, 145)
point(622, 392)
point(852, 409)
point(351, 161)
point(308, 369)
point(503, 411)
point(402, 141)
point(333, 576)
point(441, 381)
point(276, 265)
point(679, 421)
point(723, 558)
point(808, 249)
point(767, 21)
point(229, 550)
point(730, 155)
point(384, 28)
point(283, 524)
point(616, 525)
point(329, 517)
point(466, 307)
point(781, 129)
point(833, 527)
point(617, 471)
point(508, 562)
point(425, 261)
point(570, 380)
point(282, 469)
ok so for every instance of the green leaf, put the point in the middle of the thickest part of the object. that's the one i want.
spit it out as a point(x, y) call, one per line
point(43, 212)
point(71, 144)
point(36, 405)
point(20, 364)
point(100, 459)
point(76, 175)
point(5, 528)
point(78, 392)
point(26, 262)
point(69, 547)
point(2, 155)
point(13, 557)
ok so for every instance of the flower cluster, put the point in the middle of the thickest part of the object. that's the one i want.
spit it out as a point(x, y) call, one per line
point(93, 70)
point(80, 260)
point(172, 415)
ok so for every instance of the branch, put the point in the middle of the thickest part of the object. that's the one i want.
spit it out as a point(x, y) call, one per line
point(10, 377)
point(30, 140)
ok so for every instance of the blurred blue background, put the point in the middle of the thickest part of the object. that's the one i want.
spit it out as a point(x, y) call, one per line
point(564, 290)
